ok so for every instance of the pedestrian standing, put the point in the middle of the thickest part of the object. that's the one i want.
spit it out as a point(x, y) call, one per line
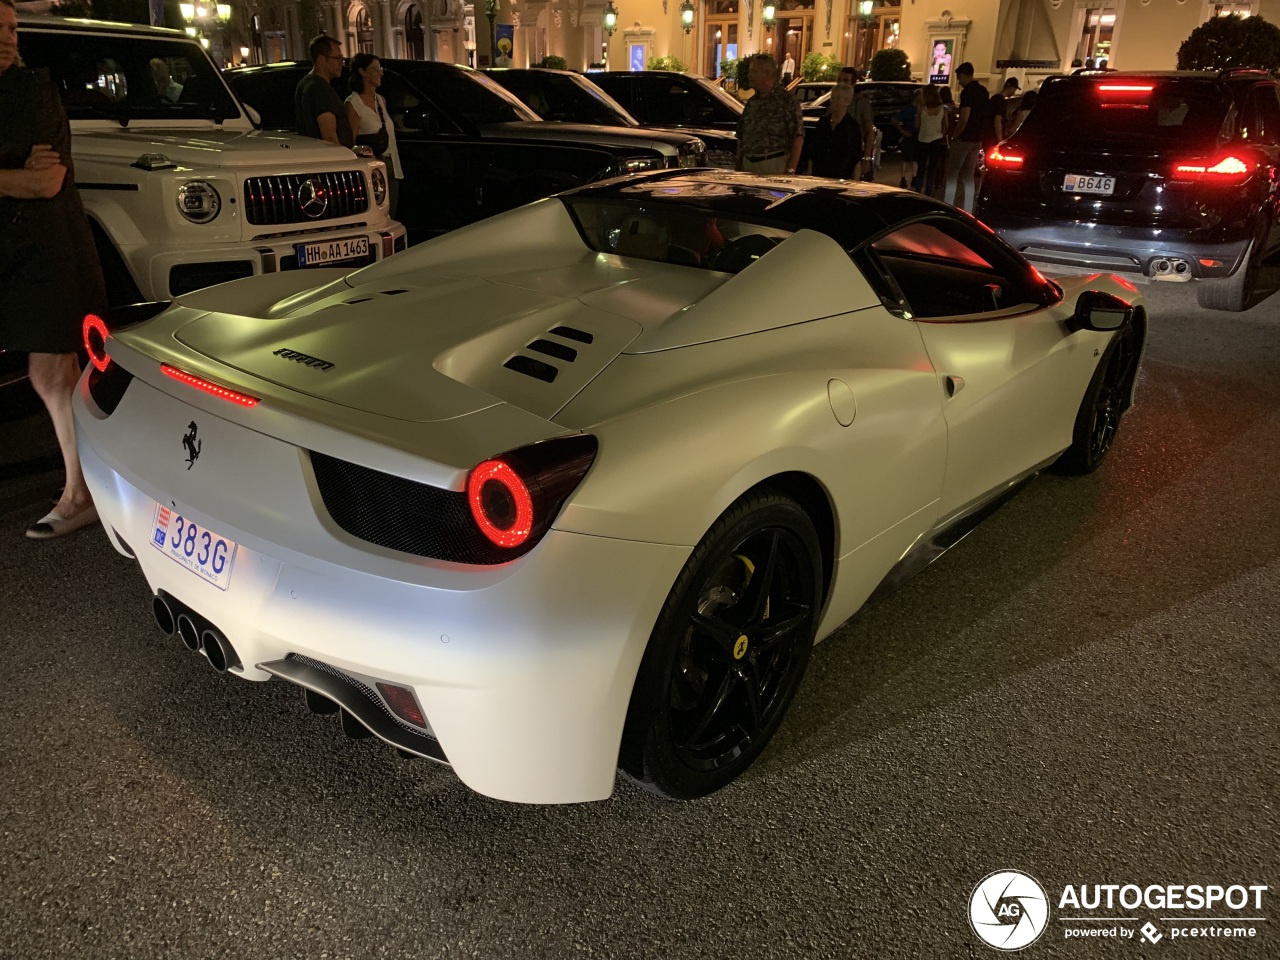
point(966, 139)
point(771, 129)
point(50, 277)
point(864, 116)
point(834, 146)
point(907, 123)
point(788, 69)
point(319, 109)
point(998, 126)
point(367, 114)
point(1024, 107)
point(932, 140)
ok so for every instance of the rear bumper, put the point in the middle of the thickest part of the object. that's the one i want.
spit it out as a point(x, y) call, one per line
point(1116, 249)
point(523, 671)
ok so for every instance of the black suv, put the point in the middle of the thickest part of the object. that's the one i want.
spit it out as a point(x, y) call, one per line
point(468, 148)
point(664, 98)
point(1169, 175)
point(564, 96)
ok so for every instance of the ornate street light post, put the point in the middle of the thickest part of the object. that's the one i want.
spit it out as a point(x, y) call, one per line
point(203, 19)
point(610, 25)
point(491, 11)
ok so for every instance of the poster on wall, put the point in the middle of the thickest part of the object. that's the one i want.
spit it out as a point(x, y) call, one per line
point(506, 41)
point(940, 62)
point(635, 56)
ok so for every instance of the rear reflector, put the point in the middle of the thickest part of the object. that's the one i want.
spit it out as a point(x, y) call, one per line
point(224, 393)
point(403, 703)
point(1210, 263)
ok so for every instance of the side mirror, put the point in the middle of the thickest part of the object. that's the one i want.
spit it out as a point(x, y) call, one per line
point(254, 116)
point(1096, 310)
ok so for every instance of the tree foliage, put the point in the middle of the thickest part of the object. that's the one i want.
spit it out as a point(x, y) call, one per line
point(890, 65)
point(552, 62)
point(1225, 42)
point(668, 63)
point(819, 66)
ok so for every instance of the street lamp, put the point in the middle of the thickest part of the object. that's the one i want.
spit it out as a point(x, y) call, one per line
point(491, 11)
point(768, 14)
point(865, 7)
point(203, 19)
point(610, 18)
point(686, 15)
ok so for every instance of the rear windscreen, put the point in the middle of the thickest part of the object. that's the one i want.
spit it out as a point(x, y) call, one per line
point(1174, 112)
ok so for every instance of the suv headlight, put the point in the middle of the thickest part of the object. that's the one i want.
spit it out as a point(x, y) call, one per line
point(693, 153)
point(198, 201)
point(379, 186)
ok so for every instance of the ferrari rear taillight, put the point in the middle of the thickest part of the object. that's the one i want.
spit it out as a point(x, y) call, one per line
point(998, 159)
point(95, 341)
point(209, 387)
point(514, 497)
point(500, 503)
point(1227, 170)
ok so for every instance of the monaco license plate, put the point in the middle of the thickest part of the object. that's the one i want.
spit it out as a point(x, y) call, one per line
point(332, 251)
point(1082, 183)
point(205, 553)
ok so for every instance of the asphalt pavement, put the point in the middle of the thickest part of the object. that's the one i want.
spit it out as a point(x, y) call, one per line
point(1084, 690)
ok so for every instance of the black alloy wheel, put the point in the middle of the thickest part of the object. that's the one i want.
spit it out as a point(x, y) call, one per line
point(728, 651)
point(1098, 419)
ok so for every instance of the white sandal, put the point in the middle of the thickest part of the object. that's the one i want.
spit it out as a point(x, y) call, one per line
point(54, 524)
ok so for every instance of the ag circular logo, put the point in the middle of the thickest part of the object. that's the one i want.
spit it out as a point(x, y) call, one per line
point(1008, 910)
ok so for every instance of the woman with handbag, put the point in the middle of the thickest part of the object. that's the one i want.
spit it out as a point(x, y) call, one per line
point(369, 118)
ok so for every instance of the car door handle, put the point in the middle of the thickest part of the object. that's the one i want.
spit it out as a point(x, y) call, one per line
point(953, 384)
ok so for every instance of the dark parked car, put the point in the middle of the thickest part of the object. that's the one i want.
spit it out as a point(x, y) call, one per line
point(570, 97)
point(470, 149)
point(1168, 175)
point(664, 98)
point(807, 91)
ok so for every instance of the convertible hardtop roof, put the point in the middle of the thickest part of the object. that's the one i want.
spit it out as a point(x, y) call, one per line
point(849, 212)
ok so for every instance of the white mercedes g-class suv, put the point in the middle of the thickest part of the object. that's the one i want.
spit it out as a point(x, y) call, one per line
point(182, 192)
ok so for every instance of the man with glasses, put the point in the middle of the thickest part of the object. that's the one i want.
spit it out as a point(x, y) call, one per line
point(320, 111)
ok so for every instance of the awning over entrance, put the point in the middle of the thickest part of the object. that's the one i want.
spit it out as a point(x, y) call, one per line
point(1025, 38)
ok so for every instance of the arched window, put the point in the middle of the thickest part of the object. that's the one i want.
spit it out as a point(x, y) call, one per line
point(364, 31)
point(414, 41)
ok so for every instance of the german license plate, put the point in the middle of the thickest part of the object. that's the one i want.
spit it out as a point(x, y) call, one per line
point(1081, 183)
point(332, 251)
point(203, 552)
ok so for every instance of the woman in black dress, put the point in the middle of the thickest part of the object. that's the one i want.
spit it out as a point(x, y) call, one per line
point(49, 271)
point(835, 145)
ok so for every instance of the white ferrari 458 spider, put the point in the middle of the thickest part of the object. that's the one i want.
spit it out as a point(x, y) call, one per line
point(578, 487)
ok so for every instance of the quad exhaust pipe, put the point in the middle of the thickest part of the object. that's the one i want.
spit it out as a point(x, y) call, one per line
point(1170, 268)
point(196, 633)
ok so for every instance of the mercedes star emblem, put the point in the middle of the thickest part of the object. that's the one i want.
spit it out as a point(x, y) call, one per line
point(313, 198)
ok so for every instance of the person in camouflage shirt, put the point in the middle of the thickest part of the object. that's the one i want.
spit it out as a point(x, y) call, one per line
point(771, 131)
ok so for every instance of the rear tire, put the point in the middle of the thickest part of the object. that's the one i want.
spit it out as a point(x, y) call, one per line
point(1235, 293)
point(728, 651)
point(1104, 402)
